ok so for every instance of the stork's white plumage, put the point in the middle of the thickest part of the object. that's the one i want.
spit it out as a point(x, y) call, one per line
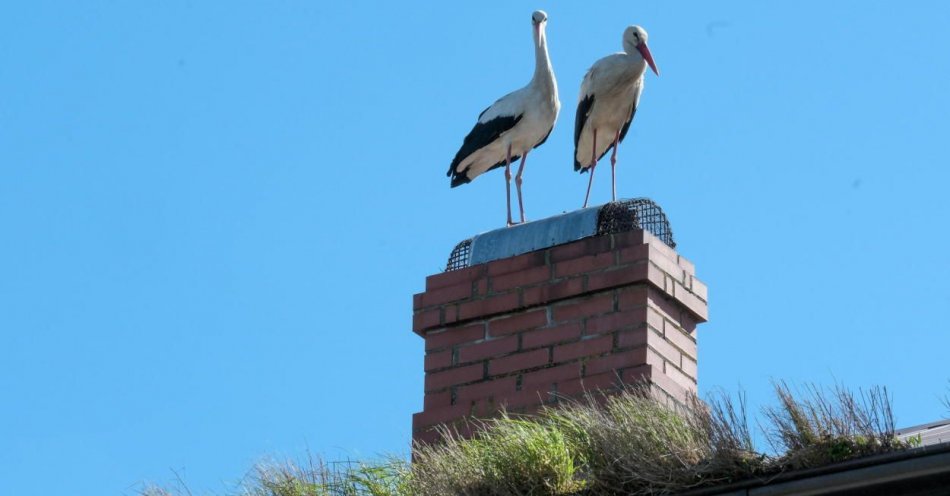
point(512, 126)
point(607, 103)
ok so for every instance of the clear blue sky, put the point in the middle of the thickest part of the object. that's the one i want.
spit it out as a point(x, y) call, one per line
point(213, 215)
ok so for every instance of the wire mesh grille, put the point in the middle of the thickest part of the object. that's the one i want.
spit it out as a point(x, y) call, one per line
point(460, 256)
point(614, 217)
point(638, 213)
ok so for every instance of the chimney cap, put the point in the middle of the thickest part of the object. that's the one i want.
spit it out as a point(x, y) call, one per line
point(610, 218)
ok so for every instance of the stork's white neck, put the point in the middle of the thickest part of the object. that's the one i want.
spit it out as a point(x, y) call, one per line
point(543, 72)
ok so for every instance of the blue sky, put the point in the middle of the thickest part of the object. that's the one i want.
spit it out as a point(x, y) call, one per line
point(213, 215)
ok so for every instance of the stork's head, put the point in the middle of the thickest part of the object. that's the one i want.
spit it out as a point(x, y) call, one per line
point(538, 19)
point(635, 41)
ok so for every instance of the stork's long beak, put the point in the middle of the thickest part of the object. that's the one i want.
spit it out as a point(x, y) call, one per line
point(645, 51)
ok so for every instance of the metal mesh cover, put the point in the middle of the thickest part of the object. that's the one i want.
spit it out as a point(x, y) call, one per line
point(614, 217)
point(460, 256)
point(638, 213)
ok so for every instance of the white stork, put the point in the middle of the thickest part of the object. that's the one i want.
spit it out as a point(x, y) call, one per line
point(513, 125)
point(607, 103)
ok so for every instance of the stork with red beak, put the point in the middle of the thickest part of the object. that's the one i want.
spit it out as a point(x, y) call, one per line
point(512, 126)
point(607, 103)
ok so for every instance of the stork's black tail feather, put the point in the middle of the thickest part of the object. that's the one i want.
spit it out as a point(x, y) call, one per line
point(480, 136)
point(459, 179)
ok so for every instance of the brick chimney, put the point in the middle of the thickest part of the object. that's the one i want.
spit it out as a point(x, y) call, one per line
point(577, 310)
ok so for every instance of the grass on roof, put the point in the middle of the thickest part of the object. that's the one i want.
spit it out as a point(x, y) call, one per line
point(631, 443)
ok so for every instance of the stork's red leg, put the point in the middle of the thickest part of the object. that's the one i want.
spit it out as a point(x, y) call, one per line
point(593, 164)
point(613, 167)
point(518, 184)
point(508, 183)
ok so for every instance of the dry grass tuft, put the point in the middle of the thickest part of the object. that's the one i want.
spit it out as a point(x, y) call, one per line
point(631, 444)
point(507, 456)
point(828, 425)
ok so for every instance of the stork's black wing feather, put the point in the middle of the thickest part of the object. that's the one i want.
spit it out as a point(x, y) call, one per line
point(633, 112)
point(545, 138)
point(626, 125)
point(480, 136)
point(583, 110)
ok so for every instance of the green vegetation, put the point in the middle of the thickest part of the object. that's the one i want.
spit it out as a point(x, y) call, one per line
point(630, 443)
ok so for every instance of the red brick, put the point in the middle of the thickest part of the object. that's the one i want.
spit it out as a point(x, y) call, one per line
point(488, 349)
point(551, 335)
point(689, 368)
point(455, 335)
point(454, 277)
point(587, 307)
point(599, 382)
point(522, 278)
point(692, 303)
point(632, 338)
point(634, 254)
point(435, 401)
point(460, 375)
point(466, 427)
point(699, 289)
point(551, 375)
point(440, 416)
point(664, 348)
point(577, 249)
point(616, 321)
point(518, 322)
point(671, 387)
point(583, 265)
point(496, 388)
point(583, 348)
point(617, 361)
point(632, 297)
point(650, 239)
point(667, 307)
point(688, 266)
point(450, 314)
point(416, 301)
point(688, 324)
point(630, 238)
point(480, 287)
point(425, 437)
point(520, 361)
point(657, 277)
point(624, 276)
point(488, 306)
point(545, 293)
point(680, 339)
point(426, 320)
point(438, 360)
point(654, 319)
point(666, 264)
point(528, 397)
point(654, 359)
point(446, 294)
point(516, 263)
point(637, 375)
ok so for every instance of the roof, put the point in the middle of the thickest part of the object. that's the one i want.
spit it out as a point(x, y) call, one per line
point(930, 434)
point(916, 472)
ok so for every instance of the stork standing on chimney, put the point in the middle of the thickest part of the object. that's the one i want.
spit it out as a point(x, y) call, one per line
point(512, 126)
point(610, 93)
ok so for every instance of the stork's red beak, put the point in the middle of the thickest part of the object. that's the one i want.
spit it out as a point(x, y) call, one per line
point(645, 51)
